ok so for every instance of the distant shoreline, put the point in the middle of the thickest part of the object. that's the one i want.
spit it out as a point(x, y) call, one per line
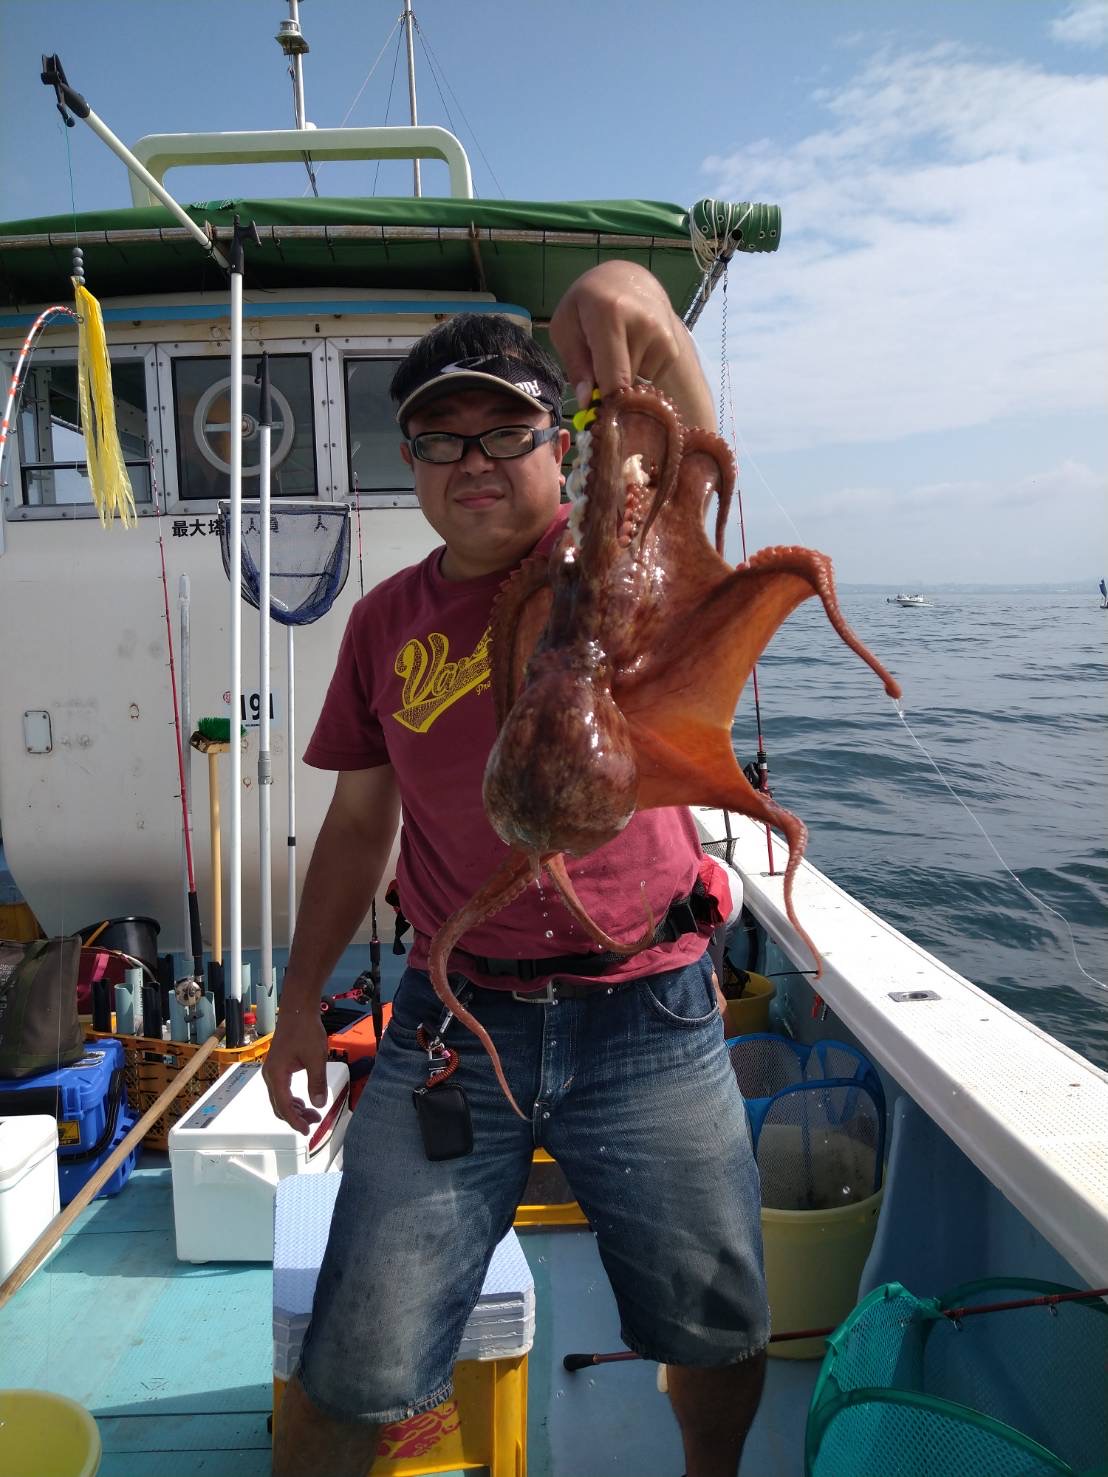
point(928, 587)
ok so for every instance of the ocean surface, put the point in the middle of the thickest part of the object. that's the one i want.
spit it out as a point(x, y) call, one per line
point(1008, 691)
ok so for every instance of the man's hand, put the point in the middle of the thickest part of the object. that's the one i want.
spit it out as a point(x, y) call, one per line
point(299, 1044)
point(615, 325)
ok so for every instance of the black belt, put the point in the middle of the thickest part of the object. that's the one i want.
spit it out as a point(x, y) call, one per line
point(686, 915)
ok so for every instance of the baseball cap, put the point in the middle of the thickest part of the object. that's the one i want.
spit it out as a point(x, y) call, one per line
point(527, 382)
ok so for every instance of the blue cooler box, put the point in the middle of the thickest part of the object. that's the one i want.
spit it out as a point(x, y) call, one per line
point(89, 1100)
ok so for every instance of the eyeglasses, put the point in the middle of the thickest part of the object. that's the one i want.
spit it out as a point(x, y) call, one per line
point(501, 444)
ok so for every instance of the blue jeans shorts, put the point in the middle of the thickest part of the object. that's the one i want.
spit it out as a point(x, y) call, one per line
point(634, 1095)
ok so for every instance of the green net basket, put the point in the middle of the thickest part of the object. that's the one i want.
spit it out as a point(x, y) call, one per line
point(906, 1392)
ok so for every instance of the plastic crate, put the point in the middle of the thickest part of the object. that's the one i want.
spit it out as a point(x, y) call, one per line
point(483, 1426)
point(150, 1065)
point(89, 1099)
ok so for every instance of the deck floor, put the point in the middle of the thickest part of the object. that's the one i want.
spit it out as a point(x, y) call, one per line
point(175, 1360)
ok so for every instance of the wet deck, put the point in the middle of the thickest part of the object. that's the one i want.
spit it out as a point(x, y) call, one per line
point(175, 1360)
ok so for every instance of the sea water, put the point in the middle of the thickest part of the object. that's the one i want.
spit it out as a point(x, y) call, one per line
point(1007, 691)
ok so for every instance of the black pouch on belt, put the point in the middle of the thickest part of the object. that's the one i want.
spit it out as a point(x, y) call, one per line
point(444, 1121)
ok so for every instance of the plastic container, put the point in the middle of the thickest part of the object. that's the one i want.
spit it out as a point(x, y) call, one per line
point(151, 1064)
point(28, 1184)
point(46, 1435)
point(356, 1045)
point(750, 1012)
point(137, 936)
point(814, 1261)
point(89, 1102)
point(228, 1155)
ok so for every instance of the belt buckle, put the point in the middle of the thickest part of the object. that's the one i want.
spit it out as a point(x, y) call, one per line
point(545, 996)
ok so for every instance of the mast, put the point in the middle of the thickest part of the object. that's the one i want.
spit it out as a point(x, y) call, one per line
point(408, 22)
point(291, 41)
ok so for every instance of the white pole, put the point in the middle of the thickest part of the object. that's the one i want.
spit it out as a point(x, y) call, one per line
point(120, 149)
point(232, 959)
point(184, 607)
point(292, 781)
point(266, 1002)
point(408, 23)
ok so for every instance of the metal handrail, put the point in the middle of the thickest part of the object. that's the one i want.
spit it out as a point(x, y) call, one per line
point(160, 152)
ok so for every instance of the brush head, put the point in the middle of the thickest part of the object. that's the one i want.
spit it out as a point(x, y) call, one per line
point(212, 736)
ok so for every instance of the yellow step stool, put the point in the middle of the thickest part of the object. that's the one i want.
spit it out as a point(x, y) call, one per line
point(483, 1426)
point(547, 1198)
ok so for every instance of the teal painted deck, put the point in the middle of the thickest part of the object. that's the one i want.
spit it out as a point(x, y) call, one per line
point(175, 1360)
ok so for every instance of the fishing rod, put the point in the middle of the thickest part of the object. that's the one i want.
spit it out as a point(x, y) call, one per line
point(47, 314)
point(574, 1362)
point(195, 938)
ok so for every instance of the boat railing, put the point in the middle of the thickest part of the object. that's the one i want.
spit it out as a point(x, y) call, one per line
point(161, 152)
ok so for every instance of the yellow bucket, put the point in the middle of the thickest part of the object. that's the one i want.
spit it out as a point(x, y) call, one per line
point(750, 1012)
point(814, 1260)
point(46, 1435)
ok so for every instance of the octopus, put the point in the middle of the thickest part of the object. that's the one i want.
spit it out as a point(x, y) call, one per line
point(617, 662)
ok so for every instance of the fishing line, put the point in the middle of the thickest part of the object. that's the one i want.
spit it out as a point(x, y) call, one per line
point(725, 379)
point(761, 760)
point(358, 517)
point(1038, 901)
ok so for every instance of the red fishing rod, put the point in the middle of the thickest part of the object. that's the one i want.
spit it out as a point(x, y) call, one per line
point(573, 1362)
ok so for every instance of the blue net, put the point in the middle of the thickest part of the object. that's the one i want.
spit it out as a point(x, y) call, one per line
point(309, 556)
point(817, 1120)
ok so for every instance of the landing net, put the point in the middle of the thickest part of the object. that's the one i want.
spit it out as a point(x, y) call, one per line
point(309, 555)
point(1019, 1393)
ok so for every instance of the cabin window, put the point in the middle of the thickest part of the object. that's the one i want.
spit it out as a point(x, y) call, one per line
point(373, 437)
point(202, 416)
point(52, 453)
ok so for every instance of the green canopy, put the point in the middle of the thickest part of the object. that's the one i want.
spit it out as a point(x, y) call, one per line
point(523, 252)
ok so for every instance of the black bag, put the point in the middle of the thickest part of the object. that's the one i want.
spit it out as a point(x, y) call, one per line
point(39, 1028)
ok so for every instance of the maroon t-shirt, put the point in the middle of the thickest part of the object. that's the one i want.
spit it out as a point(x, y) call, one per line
point(411, 689)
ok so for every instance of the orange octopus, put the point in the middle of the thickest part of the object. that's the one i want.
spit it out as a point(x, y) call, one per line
point(618, 661)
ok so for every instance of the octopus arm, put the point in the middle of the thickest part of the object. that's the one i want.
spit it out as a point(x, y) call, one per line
point(519, 614)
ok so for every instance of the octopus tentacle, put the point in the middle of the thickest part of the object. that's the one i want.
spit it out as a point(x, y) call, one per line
point(501, 889)
point(556, 867)
point(815, 567)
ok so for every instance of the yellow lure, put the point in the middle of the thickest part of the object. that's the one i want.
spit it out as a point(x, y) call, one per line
point(585, 418)
point(107, 474)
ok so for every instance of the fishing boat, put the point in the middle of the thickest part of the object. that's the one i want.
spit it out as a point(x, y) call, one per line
point(903, 599)
point(995, 1135)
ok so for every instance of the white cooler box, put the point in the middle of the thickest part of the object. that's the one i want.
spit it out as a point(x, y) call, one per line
point(29, 1197)
point(228, 1154)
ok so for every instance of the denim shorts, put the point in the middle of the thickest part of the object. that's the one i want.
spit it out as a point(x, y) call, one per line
point(634, 1095)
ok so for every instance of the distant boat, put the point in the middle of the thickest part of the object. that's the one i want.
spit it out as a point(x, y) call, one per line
point(903, 599)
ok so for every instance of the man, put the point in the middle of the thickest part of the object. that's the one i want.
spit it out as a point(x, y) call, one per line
point(623, 1071)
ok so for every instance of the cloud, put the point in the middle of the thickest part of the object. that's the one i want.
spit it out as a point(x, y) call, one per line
point(1047, 525)
point(942, 254)
point(1085, 24)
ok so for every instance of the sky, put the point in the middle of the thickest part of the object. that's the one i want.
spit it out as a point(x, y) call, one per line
point(915, 382)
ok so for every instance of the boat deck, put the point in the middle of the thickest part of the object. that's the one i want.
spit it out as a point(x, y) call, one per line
point(175, 1360)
